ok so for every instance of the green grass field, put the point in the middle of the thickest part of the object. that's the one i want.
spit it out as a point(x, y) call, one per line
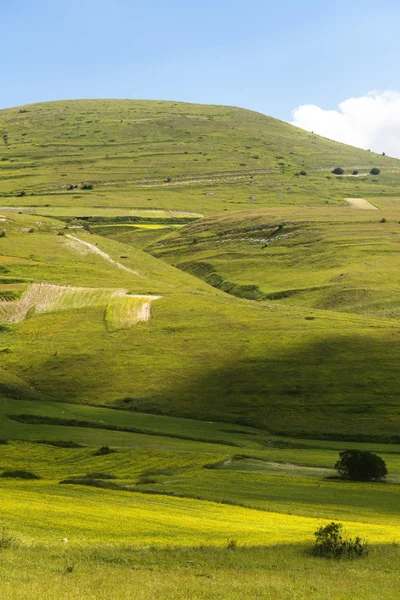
point(271, 345)
point(177, 536)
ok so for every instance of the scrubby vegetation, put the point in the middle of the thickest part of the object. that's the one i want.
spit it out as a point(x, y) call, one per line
point(331, 544)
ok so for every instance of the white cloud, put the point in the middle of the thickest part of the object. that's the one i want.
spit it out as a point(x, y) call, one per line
point(369, 122)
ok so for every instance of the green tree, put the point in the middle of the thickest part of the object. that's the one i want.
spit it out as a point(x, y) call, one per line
point(360, 465)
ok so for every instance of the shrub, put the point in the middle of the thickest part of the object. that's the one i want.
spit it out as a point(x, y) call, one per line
point(2, 233)
point(338, 171)
point(355, 172)
point(303, 173)
point(231, 545)
point(360, 465)
point(375, 171)
point(330, 543)
point(383, 220)
point(87, 186)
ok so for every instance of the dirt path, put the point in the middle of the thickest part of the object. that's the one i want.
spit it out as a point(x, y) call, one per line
point(96, 250)
point(80, 245)
point(360, 203)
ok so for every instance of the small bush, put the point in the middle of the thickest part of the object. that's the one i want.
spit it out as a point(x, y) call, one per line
point(231, 545)
point(383, 220)
point(87, 186)
point(20, 474)
point(338, 171)
point(355, 172)
point(375, 171)
point(303, 173)
point(330, 543)
point(2, 233)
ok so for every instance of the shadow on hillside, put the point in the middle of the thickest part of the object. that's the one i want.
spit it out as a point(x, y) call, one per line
point(345, 387)
point(341, 386)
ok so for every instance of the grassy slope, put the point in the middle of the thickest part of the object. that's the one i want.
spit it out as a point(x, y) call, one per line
point(200, 574)
point(232, 359)
point(166, 155)
point(102, 560)
point(346, 261)
point(203, 354)
point(164, 464)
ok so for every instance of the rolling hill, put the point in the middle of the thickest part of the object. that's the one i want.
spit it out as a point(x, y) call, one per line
point(254, 316)
point(194, 321)
point(148, 155)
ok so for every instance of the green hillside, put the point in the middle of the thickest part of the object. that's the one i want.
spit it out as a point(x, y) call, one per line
point(141, 155)
point(203, 353)
point(190, 332)
point(335, 261)
point(127, 295)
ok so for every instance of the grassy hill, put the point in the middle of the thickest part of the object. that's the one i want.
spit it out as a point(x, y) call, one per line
point(190, 332)
point(141, 155)
point(255, 294)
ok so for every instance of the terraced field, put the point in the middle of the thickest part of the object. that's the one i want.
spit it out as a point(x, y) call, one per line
point(122, 310)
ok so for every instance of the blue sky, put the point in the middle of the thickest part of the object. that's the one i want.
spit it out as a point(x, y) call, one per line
point(267, 56)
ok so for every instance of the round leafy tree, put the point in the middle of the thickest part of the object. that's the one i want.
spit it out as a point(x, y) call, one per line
point(375, 171)
point(360, 465)
point(338, 171)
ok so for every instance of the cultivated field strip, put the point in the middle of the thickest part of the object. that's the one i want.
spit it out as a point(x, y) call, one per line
point(125, 311)
point(122, 310)
point(361, 203)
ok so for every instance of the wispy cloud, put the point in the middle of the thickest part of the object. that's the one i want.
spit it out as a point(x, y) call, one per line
point(369, 122)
